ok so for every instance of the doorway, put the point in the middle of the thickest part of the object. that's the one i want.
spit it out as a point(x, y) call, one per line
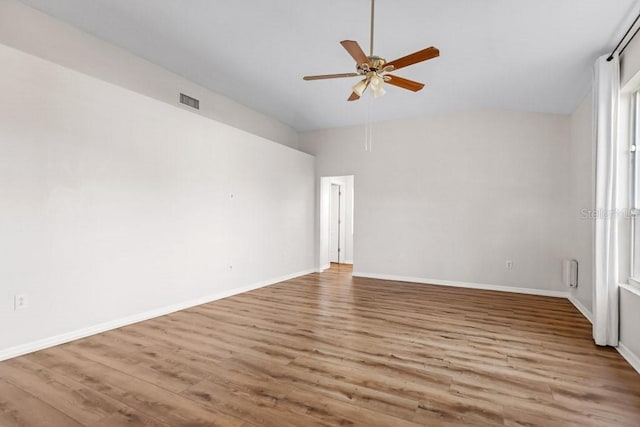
point(336, 220)
point(336, 224)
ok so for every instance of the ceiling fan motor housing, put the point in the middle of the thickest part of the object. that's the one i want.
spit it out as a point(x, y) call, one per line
point(376, 64)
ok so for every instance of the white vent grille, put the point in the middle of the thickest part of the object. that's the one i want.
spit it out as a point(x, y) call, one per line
point(189, 101)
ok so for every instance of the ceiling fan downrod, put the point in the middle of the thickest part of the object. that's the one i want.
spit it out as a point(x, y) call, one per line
point(373, 8)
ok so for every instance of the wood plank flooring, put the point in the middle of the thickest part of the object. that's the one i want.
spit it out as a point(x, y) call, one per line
point(326, 349)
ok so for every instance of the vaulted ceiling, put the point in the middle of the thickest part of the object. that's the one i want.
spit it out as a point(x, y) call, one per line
point(534, 55)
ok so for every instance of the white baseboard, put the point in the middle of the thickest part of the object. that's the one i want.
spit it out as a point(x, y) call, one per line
point(486, 287)
point(118, 323)
point(629, 356)
point(581, 308)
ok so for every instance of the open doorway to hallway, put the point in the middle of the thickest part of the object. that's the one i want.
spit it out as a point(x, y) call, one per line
point(336, 220)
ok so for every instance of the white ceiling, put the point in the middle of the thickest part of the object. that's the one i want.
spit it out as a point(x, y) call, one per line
point(533, 55)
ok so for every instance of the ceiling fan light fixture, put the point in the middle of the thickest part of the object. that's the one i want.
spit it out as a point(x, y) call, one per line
point(361, 86)
point(376, 80)
point(378, 91)
point(376, 85)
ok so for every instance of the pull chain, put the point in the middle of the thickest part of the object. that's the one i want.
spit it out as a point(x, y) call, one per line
point(368, 129)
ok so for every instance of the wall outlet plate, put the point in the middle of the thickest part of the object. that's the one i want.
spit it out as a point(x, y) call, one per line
point(20, 301)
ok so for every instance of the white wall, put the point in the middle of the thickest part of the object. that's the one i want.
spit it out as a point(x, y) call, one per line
point(581, 198)
point(630, 61)
point(32, 31)
point(453, 196)
point(630, 322)
point(114, 204)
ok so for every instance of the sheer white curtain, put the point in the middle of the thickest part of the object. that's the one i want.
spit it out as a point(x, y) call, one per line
point(606, 95)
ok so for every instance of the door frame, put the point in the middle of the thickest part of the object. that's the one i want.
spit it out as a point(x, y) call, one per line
point(341, 222)
point(322, 220)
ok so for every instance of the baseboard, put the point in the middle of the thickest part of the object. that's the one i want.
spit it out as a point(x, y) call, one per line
point(486, 287)
point(629, 356)
point(581, 308)
point(118, 323)
point(325, 267)
point(349, 261)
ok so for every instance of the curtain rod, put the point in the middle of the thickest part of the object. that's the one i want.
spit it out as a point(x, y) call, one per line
point(624, 37)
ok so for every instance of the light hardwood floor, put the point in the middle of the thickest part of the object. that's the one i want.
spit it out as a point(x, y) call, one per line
point(326, 349)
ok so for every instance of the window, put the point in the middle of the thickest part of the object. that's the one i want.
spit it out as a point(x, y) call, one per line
point(635, 189)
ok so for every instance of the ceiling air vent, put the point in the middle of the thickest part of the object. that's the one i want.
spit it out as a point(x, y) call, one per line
point(189, 101)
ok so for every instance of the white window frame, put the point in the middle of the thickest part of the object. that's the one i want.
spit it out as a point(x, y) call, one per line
point(634, 190)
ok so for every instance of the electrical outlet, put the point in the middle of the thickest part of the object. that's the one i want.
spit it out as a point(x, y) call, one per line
point(508, 265)
point(20, 301)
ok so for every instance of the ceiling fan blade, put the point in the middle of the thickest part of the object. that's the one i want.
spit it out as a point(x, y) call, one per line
point(354, 97)
point(355, 51)
point(414, 58)
point(404, 83)
point(330, 76)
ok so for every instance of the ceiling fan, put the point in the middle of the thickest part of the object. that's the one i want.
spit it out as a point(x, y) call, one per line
point(376, 69)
